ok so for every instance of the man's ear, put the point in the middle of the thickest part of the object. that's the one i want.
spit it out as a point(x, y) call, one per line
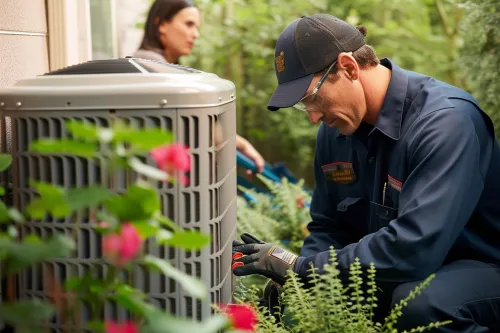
point(348, 65)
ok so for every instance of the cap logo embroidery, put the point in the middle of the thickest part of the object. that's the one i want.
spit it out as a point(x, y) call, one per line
point(280, 62)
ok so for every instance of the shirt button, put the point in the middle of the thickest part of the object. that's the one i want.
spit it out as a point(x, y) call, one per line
point(371, 159)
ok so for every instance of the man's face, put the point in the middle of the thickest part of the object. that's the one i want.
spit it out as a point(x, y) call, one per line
point(343, 101)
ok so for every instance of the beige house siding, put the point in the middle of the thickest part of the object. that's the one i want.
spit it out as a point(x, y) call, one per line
point(23, 40)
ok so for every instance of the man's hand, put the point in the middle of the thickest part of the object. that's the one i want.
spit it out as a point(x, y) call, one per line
point(253, 256)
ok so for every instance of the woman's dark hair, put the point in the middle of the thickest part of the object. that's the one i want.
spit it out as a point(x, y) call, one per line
point(161, 10)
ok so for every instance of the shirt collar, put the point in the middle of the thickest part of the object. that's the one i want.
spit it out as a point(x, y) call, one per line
point(391, 114)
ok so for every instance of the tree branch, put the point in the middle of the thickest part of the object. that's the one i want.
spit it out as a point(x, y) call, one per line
point(442, 14)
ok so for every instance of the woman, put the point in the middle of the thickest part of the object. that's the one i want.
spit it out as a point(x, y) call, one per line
point(170, 32)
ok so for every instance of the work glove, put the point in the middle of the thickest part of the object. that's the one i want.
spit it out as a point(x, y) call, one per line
point(253, 256)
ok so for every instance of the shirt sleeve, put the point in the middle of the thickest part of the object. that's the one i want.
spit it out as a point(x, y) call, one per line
point(436, 201)
point(325, 228)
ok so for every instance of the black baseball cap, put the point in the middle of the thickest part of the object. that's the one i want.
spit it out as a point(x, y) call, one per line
point(307, 46)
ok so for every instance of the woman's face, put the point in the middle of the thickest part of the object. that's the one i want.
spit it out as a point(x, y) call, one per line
point(179, 34)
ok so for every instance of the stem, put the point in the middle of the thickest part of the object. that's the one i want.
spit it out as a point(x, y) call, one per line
point(442, 15)
point(111, 276)
point(451, 35)
point(99, 302)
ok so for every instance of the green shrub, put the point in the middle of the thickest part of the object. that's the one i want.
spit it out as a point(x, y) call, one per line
point(480, 55)
point(278, 218)
point(329, 306)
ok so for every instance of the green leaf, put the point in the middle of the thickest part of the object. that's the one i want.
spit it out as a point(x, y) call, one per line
point(152, 138)
point(147, 170)
point(64, 146)
point(142, 139)
point(72, 283)
point(12, 231)
point(146, 229)
point(92, 196)
point(2, 191)
point(97, 288)
point(192, 285)
point(33, 250)
point(96, 327)
point(216, 323)
point(10, 214)
point(32, 239)
point(110, 220)
point(131, 299)
point(87, 286)
point(5, 162)
point(141, 202)
point(51, 200)
point(189, 240)
point(4, 213)
point(166, 222)
point(161, 322)
point(83, 130)
point(48, 191)
point(36, 209)
point(15, 215)
point(25, 313)
point(163, 235)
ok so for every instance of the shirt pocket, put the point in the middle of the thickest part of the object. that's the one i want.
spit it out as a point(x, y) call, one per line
point(382, 215)
point(348, 202)
point(353, 213)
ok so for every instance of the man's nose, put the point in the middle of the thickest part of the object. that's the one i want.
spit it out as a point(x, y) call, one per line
point(314, 116)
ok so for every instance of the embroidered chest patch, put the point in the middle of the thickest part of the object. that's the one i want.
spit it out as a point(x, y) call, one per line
point(394, 183)
point(339, 172)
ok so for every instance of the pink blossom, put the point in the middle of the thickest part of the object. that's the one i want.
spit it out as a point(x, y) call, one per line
point(172, 158)
point(103, 225)
point(242, 317)
point(126, 327)
point(300, 202)
point(120, 249)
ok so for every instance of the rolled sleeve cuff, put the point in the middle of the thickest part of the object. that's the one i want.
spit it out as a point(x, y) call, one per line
point(302, 265)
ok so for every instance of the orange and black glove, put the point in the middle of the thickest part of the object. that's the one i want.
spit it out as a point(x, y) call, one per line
point(253, 256)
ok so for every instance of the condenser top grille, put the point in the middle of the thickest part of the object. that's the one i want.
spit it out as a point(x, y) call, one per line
point(123, 66)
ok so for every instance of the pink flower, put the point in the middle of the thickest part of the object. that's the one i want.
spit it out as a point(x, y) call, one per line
point(103, 225)
point(126, 327)
point(300, 202)
point(172, 158)
point(242, 317)
point(120, 249)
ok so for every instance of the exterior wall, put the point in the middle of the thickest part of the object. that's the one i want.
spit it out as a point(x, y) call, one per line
point(23, 40)
point(69, 39)
point(128, 14)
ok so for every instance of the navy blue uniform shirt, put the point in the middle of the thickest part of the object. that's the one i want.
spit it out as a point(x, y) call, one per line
point(417, 190)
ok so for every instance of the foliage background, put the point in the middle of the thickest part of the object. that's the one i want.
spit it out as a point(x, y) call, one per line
point(456, 41)
point(480, 56)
